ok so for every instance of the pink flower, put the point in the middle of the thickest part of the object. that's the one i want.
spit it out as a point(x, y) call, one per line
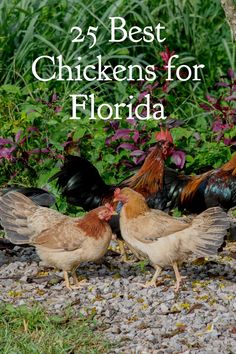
point(166, 55)
point(231, 74)
point(178, 157)
point(218, 126)
point(54, 98)
point(126, 146)
point(18, 135)
point(121, 134)
point(57, 109)
point(7, 152)
point(228, 141)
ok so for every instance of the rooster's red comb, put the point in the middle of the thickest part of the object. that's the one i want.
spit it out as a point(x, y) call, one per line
point(164, 135)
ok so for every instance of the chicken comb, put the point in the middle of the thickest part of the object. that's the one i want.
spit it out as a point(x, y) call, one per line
point(117, 192)
point(109, 207)
point(164, 135)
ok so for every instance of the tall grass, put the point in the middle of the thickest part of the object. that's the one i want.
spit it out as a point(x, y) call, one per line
point(195, 29)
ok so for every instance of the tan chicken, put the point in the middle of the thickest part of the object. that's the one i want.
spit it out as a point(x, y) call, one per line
point(61, 241)
point(166, 240)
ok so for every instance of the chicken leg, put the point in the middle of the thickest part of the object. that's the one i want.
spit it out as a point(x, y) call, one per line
point(153, 281)
point(67, 282)
point(179, 277)
point(77, 283)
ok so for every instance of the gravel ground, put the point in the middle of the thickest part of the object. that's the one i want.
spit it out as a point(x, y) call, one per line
point(201, 318)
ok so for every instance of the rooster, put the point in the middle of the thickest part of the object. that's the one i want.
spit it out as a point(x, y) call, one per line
point(166, 240)
point(60, 241)
point(82, 185)
point(197, 193)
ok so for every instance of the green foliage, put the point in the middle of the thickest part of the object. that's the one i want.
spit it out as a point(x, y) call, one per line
point(195, 30)
point(141, 265)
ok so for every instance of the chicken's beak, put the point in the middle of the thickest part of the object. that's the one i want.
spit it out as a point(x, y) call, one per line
point(114, 213)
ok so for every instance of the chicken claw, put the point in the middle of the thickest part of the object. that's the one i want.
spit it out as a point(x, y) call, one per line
point(149, 284)
point(153, 281)
point(179, 277)
point(67, 282)
point(77, 283)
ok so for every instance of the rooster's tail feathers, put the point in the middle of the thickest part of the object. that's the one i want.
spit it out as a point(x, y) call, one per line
point(81, 183)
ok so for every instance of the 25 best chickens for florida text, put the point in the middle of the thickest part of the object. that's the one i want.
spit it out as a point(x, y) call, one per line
point(86, 104)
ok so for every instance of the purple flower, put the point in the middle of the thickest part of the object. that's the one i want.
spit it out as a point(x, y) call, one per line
point(39, 151)
point(4, 141)
point(217, 126)
point(32, 129)
point(57, 109)
point(142, 95)
point(231, 98)
point(222, 84)
point(17, 136)
point(121, 133)
point(137, 153)
point(197, 136)
point(60, 156)
point(227, 141)
point(210, 99)
point(136, 136)
point(178, 157)
point(166, 55)
point(126, 146)
point(54, 97)
point(108, 141)
point(231, 73)
point(137, 160)
point(7, 152)
point(114, 124)
point(205, 106)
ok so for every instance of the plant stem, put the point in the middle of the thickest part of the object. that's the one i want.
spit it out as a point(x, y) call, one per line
point(230, 13)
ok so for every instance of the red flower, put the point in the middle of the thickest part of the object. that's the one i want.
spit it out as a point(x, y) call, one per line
point(166, 55)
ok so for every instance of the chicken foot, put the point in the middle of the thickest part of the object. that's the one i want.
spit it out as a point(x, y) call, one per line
point(179, 277)
point(153, 281)
point(77, 283)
